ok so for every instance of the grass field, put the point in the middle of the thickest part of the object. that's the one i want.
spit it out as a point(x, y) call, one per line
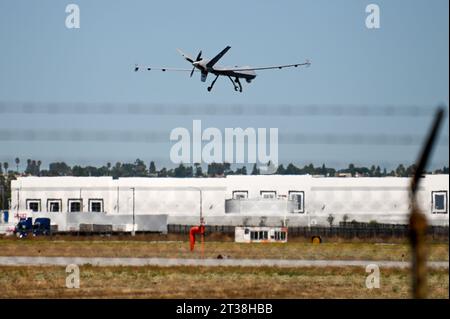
point(212, 282)
point(291, 250)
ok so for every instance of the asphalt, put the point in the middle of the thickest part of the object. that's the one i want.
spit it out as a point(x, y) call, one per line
point(127, 261)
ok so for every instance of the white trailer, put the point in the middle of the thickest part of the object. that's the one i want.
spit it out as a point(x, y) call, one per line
point(260, 234)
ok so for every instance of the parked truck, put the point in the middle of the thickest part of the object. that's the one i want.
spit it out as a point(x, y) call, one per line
point(25, 227)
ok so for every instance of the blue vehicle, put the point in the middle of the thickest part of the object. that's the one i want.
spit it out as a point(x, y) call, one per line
point(24, 227)
point(41, 226)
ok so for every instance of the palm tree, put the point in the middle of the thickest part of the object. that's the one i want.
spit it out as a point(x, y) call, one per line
point(39, 163)
point(28, 169)
point(330, 219)
point(33, 165)
point(17, 160)
point(6, 165)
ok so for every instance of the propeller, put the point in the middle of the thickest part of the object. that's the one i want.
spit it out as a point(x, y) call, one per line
point(191, 60)
point(198, 59)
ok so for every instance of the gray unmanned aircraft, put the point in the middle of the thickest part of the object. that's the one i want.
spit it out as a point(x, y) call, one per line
point(205, 66)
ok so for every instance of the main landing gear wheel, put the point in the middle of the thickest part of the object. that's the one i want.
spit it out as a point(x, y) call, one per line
point(239, 84)
point(237, 87)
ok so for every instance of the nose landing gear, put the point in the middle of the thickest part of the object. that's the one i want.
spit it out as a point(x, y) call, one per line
point(212, 84)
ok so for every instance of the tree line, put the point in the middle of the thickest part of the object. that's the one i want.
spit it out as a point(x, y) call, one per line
point(139, 169)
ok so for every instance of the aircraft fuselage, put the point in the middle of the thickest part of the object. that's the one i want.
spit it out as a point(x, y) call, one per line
point(217, 70)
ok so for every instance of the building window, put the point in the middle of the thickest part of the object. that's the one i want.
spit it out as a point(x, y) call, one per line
point(54, 205)
point(96, 205)
point(259, 235)
point(299, 197)
point(240, 194)
point(75, 205)
point(280, 235)
point(34, 205)
point(268, 194)
point(439, 202)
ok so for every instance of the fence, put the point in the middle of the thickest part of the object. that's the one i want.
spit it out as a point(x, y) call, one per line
point(184, 229)
point(344, 230)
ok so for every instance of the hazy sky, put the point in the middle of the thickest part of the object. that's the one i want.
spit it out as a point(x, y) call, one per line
point(404, 63)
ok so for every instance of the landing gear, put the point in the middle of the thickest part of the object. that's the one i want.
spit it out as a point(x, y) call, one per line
point(237, 87)
point(236, 84)
point(212, 84)
point(239, 83)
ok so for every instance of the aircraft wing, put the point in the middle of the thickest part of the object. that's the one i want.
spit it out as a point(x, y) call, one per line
point(307, 63)
point(151, 68)
point(218, 57)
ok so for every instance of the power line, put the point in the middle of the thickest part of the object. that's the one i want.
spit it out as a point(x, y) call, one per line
point(121, 136)
point(282, 110)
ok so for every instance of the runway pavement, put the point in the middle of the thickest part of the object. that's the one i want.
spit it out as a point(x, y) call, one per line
point(126, 261)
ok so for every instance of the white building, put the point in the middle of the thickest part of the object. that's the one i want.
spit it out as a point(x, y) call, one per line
point(273, 200)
